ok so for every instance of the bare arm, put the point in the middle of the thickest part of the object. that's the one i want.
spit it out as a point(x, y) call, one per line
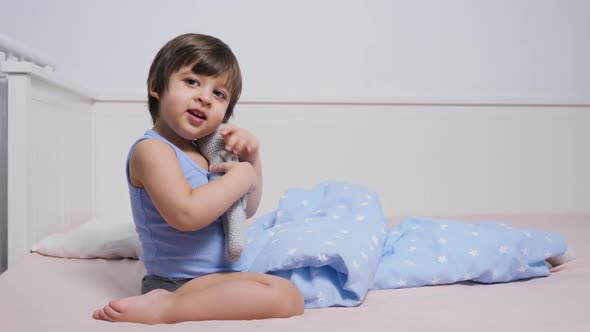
point(255, 196)
point(153, 165)
point(247, 147)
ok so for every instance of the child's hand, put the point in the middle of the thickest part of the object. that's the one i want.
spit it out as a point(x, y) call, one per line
point(245, 169)
point(241, 142)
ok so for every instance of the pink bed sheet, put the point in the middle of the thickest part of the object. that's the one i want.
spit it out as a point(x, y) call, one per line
point(55, 294)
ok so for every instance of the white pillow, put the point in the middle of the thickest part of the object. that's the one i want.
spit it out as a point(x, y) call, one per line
point(99, 237)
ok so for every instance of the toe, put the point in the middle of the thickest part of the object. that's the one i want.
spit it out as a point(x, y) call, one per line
point(103, 315)
point(118, 305)
point(112, 313)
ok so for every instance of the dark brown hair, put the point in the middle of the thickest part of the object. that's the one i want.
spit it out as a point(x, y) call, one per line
point(210, 56)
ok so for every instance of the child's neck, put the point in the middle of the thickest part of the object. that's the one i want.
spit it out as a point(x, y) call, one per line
point(172, 137)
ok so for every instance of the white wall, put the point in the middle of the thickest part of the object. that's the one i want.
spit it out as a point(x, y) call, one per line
point(421, 160)
point(529, 51)
point(428, 75)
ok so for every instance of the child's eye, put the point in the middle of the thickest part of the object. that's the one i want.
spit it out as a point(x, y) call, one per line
point(192, 82)
point(219, 94)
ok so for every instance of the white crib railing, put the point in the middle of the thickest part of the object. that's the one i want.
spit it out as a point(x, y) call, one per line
point(12, 50)
point(46, 139)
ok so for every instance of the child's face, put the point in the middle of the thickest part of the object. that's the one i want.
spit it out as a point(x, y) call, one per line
point(194, 105)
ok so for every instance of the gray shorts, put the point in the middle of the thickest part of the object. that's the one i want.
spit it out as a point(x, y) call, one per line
point(151, 282)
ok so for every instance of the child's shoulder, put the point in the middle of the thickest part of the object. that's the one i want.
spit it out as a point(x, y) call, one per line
point(152, 148)
point(151, 151)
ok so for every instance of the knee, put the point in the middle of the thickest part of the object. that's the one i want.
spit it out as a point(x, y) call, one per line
point(288, 301)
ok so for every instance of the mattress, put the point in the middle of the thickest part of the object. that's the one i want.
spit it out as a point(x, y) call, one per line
point(42, 293)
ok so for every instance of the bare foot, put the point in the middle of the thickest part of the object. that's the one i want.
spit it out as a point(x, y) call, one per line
point(147, 309)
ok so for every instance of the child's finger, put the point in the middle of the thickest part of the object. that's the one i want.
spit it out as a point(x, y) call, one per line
point(239, 146)
point(221, 167)
point(227, 130)
point(230, 142)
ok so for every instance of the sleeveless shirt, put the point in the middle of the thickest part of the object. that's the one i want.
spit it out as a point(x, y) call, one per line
point(168, 252)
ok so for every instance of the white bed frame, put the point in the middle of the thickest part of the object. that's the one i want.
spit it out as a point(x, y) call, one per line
point(66, 150)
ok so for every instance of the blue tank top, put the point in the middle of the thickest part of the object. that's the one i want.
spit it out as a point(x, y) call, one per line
point(168, 252)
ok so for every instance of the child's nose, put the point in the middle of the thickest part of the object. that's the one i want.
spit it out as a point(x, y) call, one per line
point(204, 98)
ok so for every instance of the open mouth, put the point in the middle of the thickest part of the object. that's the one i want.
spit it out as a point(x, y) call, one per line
point(198, 114)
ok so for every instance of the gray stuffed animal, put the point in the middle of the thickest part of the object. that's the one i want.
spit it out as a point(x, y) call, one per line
point(212, 147)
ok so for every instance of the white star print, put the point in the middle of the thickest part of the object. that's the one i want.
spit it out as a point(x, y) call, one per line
point(274, 241)
point(410, 263)
point(402, 283)
point(473, 252)
point(356, 265)
point(444, 226)
point(284, 196)
point(291, 251)
point(250, 241)
point(442, 259)
point(522, 269)
point(321, 297)
point(308, 231)
point(336, 217)
point(475, 233)
point(364, 256)
point(467, 276)
point(435, 281)
point(360, 218)
point(548, 238)
point(412, 248)
point(279, 214)
point(346, 188)
point(375, 239)
point(322, 257)
point(304, 203)
point(308, 219)
point(547, 254)
point(344, 231)
point(443, 240)
point(415, 228)
point(271, 233)
point(503, 250)
point(330, 243)
point(527, 234)
point(341, 206)
point(525, 251)
point(364, 203)
point(371, 247)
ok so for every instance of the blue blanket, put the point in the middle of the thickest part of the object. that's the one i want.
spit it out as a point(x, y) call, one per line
point(333, 243)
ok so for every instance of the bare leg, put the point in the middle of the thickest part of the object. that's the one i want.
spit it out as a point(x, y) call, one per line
point(212, 297)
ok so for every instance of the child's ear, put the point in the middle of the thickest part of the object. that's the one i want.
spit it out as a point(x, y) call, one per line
point(154, 94)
